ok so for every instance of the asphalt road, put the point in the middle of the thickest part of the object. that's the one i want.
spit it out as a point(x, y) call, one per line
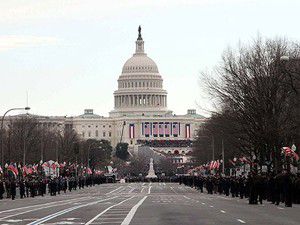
point(142, 203)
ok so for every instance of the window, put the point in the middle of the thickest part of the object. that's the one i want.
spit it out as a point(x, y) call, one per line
point(96, 133)
point(82, 134)
point(109, 134)
point(89, 133)
point(109, 126)
point(103, 134)
point(103, 126)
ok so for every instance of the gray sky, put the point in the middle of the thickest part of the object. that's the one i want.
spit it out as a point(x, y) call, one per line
point(69, 54)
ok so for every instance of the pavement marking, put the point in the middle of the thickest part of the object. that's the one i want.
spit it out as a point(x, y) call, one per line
point(131, 190)
point(186, 197)
point(241, 221)
point(131, 213)
point(31, 210)
point(113, 190)
point(280, 208)
point(54, 215)
point(104, 211)
point(149, 190)
point(222, 211)
point(142, 189)
point(173, 190)
point(211, 206)
point(50, 203)
point(203, 203)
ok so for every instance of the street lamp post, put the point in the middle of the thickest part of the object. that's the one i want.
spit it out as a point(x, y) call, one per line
point(2, 121)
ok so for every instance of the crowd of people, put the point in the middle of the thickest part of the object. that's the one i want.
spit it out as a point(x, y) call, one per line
point(32, 186)
point(275, 188)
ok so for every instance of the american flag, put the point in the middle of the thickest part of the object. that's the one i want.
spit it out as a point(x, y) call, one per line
point(175, 128)
point(155, 129)
point(147, 129)
point(167, 128)
point(161, 129)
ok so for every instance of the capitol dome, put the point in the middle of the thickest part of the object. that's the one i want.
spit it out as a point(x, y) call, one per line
point(140, 86)
point(140, 63)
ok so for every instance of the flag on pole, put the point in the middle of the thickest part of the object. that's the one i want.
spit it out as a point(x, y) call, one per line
point(211, 165)
point(13, 170)
point(290, 152)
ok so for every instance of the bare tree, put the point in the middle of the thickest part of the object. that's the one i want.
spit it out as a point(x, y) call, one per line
point(255, 98)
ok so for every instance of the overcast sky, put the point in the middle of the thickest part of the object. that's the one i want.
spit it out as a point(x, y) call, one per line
point(68, 55)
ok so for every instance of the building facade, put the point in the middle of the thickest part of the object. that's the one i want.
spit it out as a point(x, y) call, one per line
point(140, 116)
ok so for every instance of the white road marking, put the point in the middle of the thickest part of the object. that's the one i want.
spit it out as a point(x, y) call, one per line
point(203, 203)
point(211, 206)
point(131, 213)
point(13, 221)
point(104, 211)
point(186, 197)
point(173, 190)
point(113, 191)
point(54, 215)
point(280, 208)
point(50, 203)
point(149, 190)
point(142, 189)
point(32, 210)
point(241, 221)
point(131, 190)
point(222, 211)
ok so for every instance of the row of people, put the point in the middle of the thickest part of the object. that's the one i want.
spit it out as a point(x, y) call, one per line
point(275, 188)
point(32, 186)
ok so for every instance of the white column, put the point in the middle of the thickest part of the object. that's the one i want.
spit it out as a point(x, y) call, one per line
point(130, 100)
point(135, 100)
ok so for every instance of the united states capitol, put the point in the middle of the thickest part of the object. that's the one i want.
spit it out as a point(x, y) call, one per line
point(140, 116)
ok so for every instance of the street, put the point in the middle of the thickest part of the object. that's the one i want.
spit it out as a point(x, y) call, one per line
point(142, 203)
